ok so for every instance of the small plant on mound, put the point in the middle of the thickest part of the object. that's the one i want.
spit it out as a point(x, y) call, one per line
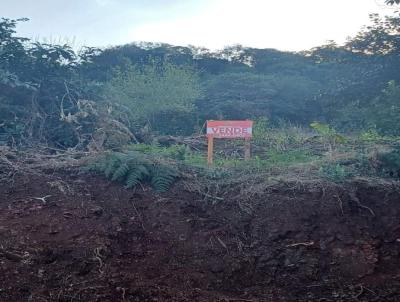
point(132, 168)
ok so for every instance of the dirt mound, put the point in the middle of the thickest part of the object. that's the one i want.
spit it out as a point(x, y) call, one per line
point(77, 237)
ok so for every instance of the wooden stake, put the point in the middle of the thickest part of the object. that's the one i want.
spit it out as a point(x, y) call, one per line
point(210, 150)
point(247, 148)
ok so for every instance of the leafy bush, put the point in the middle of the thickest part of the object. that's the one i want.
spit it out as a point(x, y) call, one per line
point(150, 91)
point(132, 168)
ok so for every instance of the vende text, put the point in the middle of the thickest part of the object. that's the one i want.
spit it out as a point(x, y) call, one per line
point(229, 129)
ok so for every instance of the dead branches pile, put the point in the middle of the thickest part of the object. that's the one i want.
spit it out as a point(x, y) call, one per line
point(37, 161)
point(197, 143)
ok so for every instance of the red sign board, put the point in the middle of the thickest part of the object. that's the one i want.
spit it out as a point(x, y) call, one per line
point(229, 129)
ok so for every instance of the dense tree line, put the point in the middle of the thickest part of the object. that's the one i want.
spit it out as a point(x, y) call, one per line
point(55, 95)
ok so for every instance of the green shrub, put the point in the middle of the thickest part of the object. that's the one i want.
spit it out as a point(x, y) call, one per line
point(153, 91)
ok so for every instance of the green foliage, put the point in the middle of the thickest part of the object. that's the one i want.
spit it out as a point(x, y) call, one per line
point(379, 38)
point(272, 158)
point(41, 85)
point(328, 132)
point(289, 157)
point(281, 135)
point(147, 91)
point(329, 135)
point(285, 136)
point(162, 177)
point(384, 111)
point(247, 94)
point(390, 162)
point(134, 167)
point(196, 159)
point(12, 51)
point(371, 135)
point(381, 114)
point(260, 129)
point(335, 172)
point(36, 81)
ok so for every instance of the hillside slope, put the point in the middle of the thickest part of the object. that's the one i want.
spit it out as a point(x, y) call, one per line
point(92, 240)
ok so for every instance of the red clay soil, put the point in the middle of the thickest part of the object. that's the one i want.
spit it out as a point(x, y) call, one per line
point(92, 240)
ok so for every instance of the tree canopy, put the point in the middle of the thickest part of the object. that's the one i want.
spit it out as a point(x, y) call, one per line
point(53, 94)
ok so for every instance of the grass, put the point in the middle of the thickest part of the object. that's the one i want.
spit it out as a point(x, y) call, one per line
point(176, 152)
point(285, 152)
point(289, 157)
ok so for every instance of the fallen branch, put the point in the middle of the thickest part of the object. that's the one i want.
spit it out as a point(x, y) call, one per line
point(222, 243)
point(301, 244)
point(43, 199)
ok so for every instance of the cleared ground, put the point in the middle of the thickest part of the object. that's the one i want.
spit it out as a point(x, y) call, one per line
point(93, 240)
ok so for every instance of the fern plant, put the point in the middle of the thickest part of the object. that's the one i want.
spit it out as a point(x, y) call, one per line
point(132, 168)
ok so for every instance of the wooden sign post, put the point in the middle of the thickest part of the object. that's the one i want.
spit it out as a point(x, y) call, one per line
point(247, 149)
point(210, 150)
point(228, 129)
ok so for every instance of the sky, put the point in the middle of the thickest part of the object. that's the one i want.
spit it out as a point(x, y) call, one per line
point(292, 25)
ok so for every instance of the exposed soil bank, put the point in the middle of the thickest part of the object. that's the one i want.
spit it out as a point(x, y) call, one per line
point(91, 240)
